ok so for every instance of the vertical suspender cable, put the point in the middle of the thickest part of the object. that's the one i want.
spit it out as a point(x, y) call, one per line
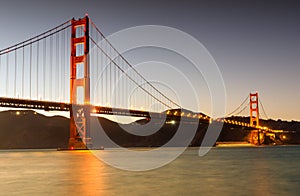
point(126, 85)
point(23, 70)
point(119, 83)
point(123, 94)
point(44, 67)
point(15, 79)
point(50, 68)
point(30, 61)
point(92, 71)
point(146, 99)
point(37, 71)
point(7, 85)
point(57, 68)
point(68, 46)
point(103, 70)
point(116, 85)
point(110, 79)
point(97, 70)
point(62, 65)
point(106, 76)
point(134, 92)
point(0, 70)
point(113, 86)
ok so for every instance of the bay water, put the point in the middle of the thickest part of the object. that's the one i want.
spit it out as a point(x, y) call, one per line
point(222, 171)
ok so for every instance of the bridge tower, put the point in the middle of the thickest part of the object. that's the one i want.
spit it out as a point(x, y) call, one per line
point(80, 86)
point(257, 137)
point(254, 112)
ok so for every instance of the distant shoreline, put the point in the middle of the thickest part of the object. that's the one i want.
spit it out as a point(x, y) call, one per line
point(229, 145)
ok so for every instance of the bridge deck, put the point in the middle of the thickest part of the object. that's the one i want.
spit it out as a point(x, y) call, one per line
point(60, 106)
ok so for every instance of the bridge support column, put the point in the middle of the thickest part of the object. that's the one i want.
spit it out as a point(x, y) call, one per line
point(254, 119)
point(80, 86)
point(256, 137)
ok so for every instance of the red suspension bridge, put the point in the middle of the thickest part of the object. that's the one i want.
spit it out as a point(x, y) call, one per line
point(73, 67)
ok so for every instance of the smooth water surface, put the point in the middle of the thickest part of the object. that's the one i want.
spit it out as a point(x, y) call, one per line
point(223, 171)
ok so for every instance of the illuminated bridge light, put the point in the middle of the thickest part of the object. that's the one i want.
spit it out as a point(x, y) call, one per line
point(171, 122)
point(189, 114)
point(94, 110)
point(195, 116)
point(182, 113)
point(175, 113)
point(168, 112)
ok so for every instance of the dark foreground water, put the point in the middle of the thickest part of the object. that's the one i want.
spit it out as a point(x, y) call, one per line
point(223, 171)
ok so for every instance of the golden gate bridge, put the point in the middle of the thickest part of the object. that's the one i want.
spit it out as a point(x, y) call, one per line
point(73, 67)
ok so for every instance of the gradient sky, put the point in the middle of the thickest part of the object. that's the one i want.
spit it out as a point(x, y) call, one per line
point(256, 44)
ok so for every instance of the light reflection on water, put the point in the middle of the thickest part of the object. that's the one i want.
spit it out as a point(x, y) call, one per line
point(223, 171)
